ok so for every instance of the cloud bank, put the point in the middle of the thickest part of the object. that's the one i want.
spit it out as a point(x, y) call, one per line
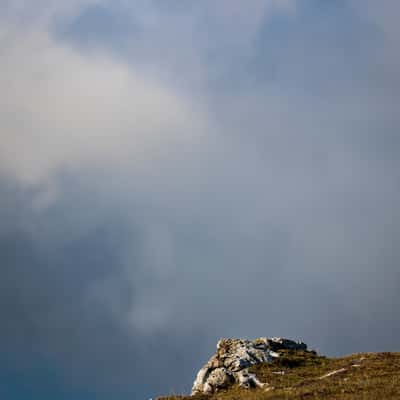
point(197, 171)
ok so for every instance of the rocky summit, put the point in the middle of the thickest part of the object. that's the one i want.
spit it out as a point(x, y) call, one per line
point(231, 362)
point(282, 369)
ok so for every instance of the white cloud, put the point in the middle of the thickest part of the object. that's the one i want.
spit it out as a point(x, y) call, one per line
point(62, 109)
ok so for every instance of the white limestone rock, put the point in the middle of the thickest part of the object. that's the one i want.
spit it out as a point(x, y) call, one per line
point(247, 380)
point(232, 359)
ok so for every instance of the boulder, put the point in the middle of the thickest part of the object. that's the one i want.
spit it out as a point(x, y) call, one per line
point(232, 359)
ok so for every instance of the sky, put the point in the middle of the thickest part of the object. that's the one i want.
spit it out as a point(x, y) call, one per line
point(173, 172)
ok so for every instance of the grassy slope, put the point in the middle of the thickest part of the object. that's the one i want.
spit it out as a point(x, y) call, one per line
point(366, 376)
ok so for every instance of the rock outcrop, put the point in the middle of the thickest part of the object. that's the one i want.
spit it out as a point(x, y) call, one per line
point(232, 359)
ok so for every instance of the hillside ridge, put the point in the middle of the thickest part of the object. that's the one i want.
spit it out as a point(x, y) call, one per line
point(280, 368)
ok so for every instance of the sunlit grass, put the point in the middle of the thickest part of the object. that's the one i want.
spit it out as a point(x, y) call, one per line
point(299, 375)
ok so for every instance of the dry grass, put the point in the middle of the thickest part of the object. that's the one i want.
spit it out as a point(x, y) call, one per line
point(364, 376)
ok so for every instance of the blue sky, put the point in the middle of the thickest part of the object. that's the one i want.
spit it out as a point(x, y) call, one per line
point(173, 172)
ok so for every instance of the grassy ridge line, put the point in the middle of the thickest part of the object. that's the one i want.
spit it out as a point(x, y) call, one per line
point(299, 375)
